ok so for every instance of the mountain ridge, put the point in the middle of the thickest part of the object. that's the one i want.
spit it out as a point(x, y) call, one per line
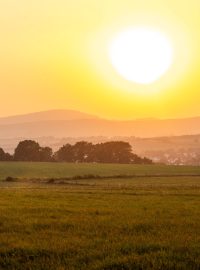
point(70, 123)
point(69, 114)
point(56, 114)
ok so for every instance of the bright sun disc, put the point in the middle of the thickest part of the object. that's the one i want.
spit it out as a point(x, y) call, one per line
point(141, 55)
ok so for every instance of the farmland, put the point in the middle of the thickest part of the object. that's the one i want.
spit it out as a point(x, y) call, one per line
point(59, 170)
point(149, 220)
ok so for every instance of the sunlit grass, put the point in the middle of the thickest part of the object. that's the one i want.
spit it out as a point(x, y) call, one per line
point(139, 223)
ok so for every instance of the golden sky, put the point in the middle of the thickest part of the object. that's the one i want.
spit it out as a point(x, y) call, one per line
point(54, 55)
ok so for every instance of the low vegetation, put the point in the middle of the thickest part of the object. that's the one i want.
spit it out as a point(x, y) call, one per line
point(149, 221)
point(139, 223)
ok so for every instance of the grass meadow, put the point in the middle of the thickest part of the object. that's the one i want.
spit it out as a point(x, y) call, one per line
point(150, 220)
point(60, 170)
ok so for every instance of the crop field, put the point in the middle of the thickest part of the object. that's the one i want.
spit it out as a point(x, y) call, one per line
point(60, 170)
point(149, 220)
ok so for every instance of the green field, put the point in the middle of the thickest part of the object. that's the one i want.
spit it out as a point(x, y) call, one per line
point(59, 170)
point(131, 223)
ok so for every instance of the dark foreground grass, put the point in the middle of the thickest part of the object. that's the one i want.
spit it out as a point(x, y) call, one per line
point(139, 223)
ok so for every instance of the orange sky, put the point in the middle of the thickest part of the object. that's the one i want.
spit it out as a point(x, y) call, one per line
point(54, 54)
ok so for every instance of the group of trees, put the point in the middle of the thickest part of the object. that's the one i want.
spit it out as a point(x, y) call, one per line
point(28, 150)
point(108, 152)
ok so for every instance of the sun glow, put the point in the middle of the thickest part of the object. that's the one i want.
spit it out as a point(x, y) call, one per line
point(141, 55)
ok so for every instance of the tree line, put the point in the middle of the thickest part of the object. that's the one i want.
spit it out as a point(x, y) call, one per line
point(108, 152)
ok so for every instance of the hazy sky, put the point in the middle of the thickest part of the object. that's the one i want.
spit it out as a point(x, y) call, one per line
point(54, 54)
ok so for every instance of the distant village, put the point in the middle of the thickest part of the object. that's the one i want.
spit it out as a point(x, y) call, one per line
point(179, 157)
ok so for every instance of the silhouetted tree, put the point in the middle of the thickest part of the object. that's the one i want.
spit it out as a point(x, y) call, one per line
point(113, 152)
point(45, 153)
point(29, 150)
point(135, 159)
point(5, 156)
point(108, 152)
point(65, 153)
point(82, 151)
point(147, 161)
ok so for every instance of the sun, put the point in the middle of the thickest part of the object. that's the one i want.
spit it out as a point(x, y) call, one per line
point(141, 55)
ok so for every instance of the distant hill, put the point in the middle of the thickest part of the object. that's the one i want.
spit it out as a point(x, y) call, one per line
point(52, 115)
point(68, 123)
